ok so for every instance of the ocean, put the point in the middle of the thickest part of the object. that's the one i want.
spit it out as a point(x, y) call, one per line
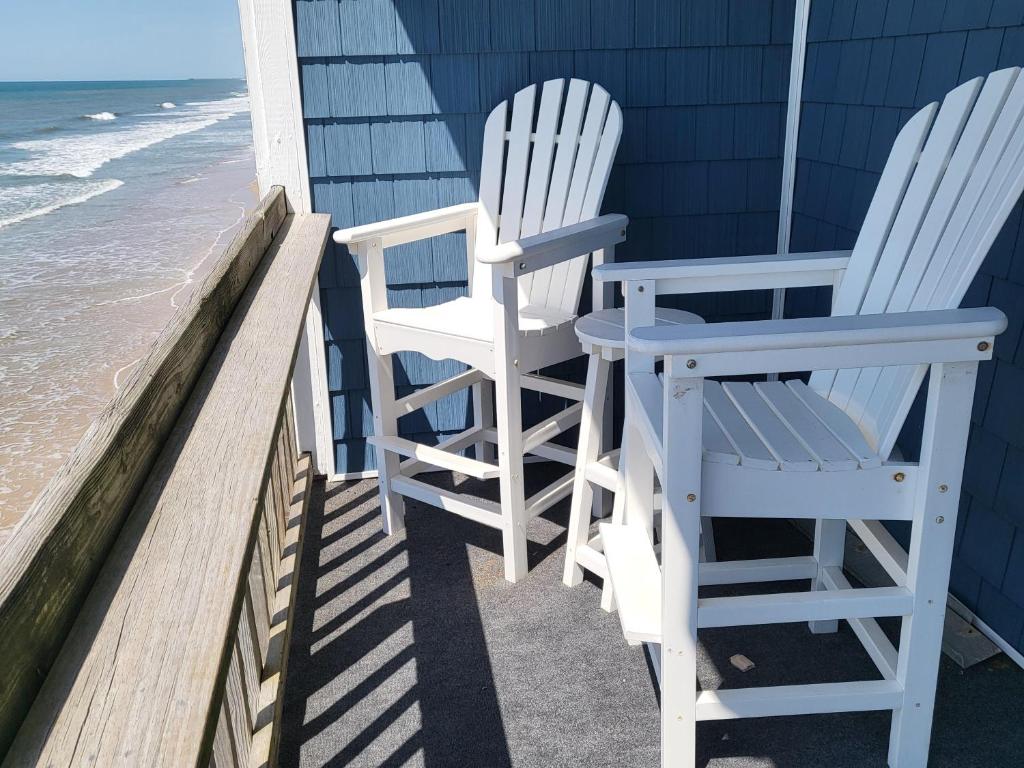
point(115, 199)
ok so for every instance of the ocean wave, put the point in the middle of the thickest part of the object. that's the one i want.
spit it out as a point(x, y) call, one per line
point(83, 154)
point(101, 116)
point(31, 200)
point(168, 105)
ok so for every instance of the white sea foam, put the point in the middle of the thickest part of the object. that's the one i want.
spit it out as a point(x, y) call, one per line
point(30, 200)
point(168, 105)
point(101, 116)
point(82, 155)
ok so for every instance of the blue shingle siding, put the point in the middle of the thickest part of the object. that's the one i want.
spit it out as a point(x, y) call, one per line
point(863, 80)
point(395, 95)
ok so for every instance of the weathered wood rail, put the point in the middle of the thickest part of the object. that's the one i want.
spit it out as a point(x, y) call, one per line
point(145, 599)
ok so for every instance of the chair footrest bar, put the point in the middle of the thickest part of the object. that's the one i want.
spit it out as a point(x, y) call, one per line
point(602, 473)
point(878, 646)
point(547, 497)
point(438, 457)
point(636, 579)
point(479, 510)
point(771, 701)
point(755, 571)
point(553, 452)
point(590, 557)
point(550, 386)
point(427, 395)
point(457, 442)
point(552, 427)
point(790, 607)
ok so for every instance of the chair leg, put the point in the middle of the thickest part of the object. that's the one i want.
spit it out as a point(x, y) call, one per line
point(680, 554)
point(603, 499)
point(634, 494)
point(588, 451)
point(708, 550)
point(385, 424)
point(510, 468)
point(382, 382)
point(946, 425)
point(483, 416)
point(829, 548)
point(618, 514)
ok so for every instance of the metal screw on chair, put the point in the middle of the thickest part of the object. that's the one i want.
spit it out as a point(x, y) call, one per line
point(522, 265)
point(943, 488)
point(940, 519)
point(982, 346)
point(691, 497)
point(899, 477)
point(691, 364)
point(639, 289)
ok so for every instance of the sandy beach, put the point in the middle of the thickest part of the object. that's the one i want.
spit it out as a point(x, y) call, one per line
point(76, 320)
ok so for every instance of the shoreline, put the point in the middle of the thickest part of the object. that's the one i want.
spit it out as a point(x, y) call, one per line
point(62, 390)
point(195, 274)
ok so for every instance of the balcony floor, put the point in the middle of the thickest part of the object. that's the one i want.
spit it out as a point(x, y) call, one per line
point(413, 650)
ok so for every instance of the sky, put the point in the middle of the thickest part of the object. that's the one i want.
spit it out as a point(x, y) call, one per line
point(119, 39)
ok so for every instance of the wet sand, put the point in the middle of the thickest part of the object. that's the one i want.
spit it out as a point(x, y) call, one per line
point(74, 329)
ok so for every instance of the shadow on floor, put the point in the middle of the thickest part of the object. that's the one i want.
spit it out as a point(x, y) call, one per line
point(413, 650)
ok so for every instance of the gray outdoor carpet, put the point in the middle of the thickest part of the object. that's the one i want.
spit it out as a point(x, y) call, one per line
point(413, 650)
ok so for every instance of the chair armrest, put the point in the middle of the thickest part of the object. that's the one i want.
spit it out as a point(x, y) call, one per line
point(733, 273)
point(845, 341)
point(521, 257)
point(407, 229)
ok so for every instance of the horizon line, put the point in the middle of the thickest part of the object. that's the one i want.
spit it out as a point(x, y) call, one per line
point(127, 80)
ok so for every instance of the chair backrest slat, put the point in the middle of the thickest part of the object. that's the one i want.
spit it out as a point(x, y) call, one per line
point(939, 205)
point(541, 162)
point(592, 203)
point(559, 275)
point(517, 165)
point(491, 168)
point(535, 180)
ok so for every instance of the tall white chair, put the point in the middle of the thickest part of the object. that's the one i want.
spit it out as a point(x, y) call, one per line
point(821, 450)
point(543, 175)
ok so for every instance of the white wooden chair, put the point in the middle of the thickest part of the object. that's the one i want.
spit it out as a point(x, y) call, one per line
point(544, 171)
point(821, 451)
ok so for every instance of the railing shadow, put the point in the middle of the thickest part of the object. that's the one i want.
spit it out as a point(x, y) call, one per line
point(388, 659)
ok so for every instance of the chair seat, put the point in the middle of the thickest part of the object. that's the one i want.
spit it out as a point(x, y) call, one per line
point(471, 318)
point(784, 426)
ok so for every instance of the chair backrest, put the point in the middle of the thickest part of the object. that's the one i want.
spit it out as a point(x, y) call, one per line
point(545, 166)
point(953, 176)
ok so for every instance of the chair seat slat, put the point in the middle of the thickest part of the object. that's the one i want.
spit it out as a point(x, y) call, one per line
point(826, 449)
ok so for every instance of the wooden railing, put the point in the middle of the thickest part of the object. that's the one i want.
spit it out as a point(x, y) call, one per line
point(145, 599)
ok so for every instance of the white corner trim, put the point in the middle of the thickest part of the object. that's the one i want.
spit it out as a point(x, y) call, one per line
point(275, 98)
point(275, 101)
point(796, 85)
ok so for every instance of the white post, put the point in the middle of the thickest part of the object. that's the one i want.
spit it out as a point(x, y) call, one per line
point(272, 74)
point(509, 418)
point(796, 86)
point(382, 382)
point(680, 555)
point(946, 426)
